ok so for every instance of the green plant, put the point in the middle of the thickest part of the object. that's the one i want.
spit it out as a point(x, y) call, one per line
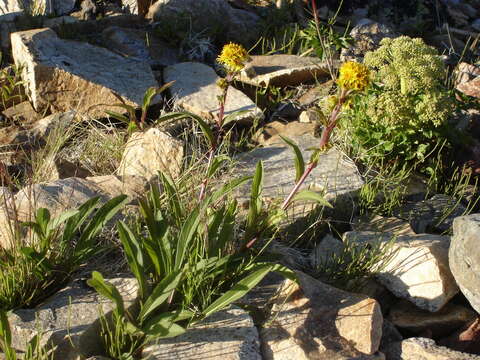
point(33, 268)
point(322, 40)
point(43, 160)
point(96, 146)
point(189, 263)
point(34, 350)
point(11, 86)
point(404, 116)
point(354, 264)
point(354, 78)
point(131, 120)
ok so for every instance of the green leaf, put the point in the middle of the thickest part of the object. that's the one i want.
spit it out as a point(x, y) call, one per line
point(163, 325)
point(160, 294)
point(299, 162)
point(118, 116)
point(239, 289)
point(60, 219)
point(217, 162)
point(234, 115)
point(310, 195)
point(134, 254)
point(256, 203)
point(108, 290)
point(5, 333)
point(207, 131)
point(147, 97)
point(100, 218)
point(42, 218)
point(187, 233)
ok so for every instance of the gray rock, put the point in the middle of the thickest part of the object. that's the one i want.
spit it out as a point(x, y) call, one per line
point(390, 334)
point(418, 267)
point(366, 35)
point(213, 17)
point(270, 134)
point(69, 319)
point(67, 75)
point(140, 45)
point(56, 196)
point(464, 257)
point(476, 25)
point(406, 316)
point(336, 177)
point(312, 320)
point(380, 224)
point(195, 89)
point(7, 27)
point(59, 21)
point(432, 215)
point(322, 255)
point(424, 349)
point(226, 335)
point(282, 70)
point(151, 151)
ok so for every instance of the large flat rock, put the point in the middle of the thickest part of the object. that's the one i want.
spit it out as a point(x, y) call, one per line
point(226, 335)
point(335, 176)
point(195, 89)
point(418, 269)
point(282, 70)
point(66, 75)
point(312, 320)
point(69, 319)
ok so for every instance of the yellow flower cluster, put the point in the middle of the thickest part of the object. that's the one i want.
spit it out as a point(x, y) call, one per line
point(353, 76)
point(233, 57)
point(407, 64)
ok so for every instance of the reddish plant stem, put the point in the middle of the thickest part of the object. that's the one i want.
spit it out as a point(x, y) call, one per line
point(218, 136)
point(324, 141)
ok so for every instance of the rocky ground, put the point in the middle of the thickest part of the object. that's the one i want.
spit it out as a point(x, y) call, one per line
point(65, 70)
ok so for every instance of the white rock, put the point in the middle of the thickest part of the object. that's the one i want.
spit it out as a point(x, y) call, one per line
point(148, 152)
point(312, 320)
point(57, 196)
point(70, 75)
point(418, 271)
point(464, 257)
point(283, 70)
point(424, 349)
point(195, 89)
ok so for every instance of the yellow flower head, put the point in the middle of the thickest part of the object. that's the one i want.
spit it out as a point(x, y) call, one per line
point(233, 57)
point(353, 76)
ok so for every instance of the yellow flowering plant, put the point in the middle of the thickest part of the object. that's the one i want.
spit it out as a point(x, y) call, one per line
point(353, 77)
point(233, 59)
point(406, 117)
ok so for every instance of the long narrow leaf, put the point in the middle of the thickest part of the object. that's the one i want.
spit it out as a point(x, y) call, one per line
point(108, 290)
point(134, 254)
point(309, 195)
point(239, 289)
point(160, 294)
point(299, 162)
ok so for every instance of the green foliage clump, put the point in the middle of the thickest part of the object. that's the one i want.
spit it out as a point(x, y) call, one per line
point(404, 116)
